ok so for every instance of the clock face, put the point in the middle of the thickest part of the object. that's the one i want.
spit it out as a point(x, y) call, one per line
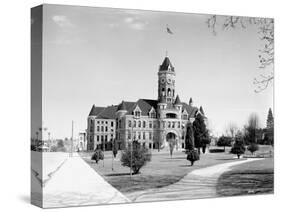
point(163, 80)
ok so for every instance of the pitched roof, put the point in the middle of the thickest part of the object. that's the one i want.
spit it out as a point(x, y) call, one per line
point(96, 110)
point(177, 101)
point(108, 113)
point(201, 110)
point(121, 106)
point(190, 109)
point(165, 65)
point(190, 101)
point(145, 106)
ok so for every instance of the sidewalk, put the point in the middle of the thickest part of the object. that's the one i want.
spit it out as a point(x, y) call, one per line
point(198, 184)
point(77, 184)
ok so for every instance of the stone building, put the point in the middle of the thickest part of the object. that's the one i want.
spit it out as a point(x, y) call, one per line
point(153, 122)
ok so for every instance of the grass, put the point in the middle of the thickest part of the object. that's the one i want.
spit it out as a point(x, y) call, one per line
point(161, 171)
point(255, 177)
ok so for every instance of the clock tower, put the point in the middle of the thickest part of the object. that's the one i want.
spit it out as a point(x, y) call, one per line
point(166, 82)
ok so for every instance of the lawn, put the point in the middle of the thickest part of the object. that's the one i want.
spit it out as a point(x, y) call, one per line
point(255, 177)
point(161, 171)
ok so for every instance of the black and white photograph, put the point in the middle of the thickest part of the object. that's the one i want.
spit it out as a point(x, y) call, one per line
point(132, 106)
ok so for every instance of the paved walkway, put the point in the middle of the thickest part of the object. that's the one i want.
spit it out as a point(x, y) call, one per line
point(75, 184)
point(198, 184)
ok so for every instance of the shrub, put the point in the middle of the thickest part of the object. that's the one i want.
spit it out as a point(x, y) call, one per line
point(216, 150)
point(253, 147)
point(98, 155)
point(238, 147)
point(224, 141)
point(192, 156)
point(138, 157)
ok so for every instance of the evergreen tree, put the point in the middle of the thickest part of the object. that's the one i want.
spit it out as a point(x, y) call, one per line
point(269, 121)
point(269, 135)
point(201, 135)
point(189, 137)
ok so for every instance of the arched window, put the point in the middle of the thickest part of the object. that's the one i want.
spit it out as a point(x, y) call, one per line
point(139, 124)
point(143, 124)
point(129, 123)
point(169, 124)
point(163, 91)
point(102, 128)
point(169, 92)
point(135, 123)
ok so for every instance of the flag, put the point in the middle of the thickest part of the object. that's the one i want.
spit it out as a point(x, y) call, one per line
point(169, 30)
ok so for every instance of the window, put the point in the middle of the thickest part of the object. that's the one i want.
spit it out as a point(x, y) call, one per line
point(163, 91)
point(112, 124)
point(171, 116)
point(105, 138)
point(106, 122)
point(106, 129)
point(135, 123)
point(137, 113)
point(139, 137)
point(173, 125)
point(129, 123)
point(143, 124)
point(150, 124)
point(169, 92)
point(139, 124)
point(143, 136)
point(102, 128)
point(102, 138)
point(98, 138)
point(169, 124)
point(102, 122)
point(150, 135)
point(129, 135)
point(98, 122)
point(163, 124)
point(98, 128)
point(179, 125)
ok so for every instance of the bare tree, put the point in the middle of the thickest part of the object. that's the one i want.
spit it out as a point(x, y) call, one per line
point(252, 127)
point(232, 129)
point(266, 34)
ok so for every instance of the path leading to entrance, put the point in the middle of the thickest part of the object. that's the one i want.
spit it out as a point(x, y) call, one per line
point(77, 184)
point(198, 184)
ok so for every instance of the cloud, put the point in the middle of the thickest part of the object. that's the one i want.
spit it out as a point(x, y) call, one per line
point(135, 23)
point(62, 21)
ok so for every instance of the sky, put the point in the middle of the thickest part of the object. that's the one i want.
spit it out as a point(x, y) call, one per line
point(103, 56)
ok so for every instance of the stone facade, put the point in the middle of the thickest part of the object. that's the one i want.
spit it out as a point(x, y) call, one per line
point(154, 123)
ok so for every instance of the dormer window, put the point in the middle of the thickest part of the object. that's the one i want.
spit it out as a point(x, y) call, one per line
point(152, 113)
point(184, 115)
point(137, 112)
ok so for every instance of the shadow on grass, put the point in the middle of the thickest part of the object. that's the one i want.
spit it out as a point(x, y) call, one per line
point(187, 165)
point(227, 159)
point(117, 174)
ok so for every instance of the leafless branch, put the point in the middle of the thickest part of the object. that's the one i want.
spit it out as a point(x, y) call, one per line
point(266, 35)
